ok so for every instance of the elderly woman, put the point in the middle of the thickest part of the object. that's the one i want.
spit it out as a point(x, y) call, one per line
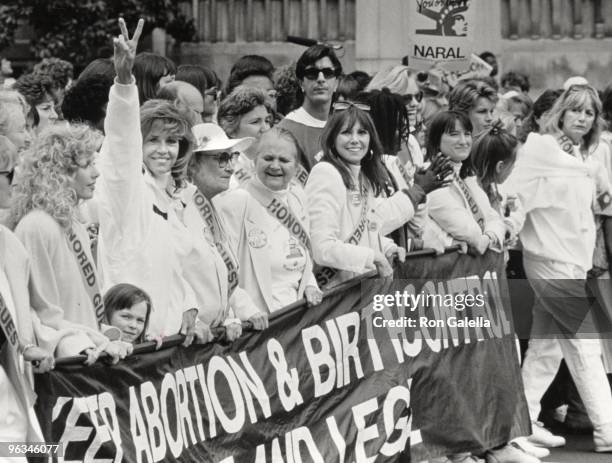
point(56, 174)
point(212, 267)
point(462, 209)
point(245, 113)
point(38, 91)
point(347, 210)
point(269, 227)
point(142, 165)
point(477, 100)
point(557, 179)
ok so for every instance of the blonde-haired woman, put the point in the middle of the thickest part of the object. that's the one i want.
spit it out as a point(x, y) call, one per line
point(401, 80)
point(556, 180)
point(13, 110)
point(56, 174)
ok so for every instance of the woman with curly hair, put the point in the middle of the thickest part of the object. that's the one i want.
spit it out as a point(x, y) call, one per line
point(60, 72)
point(56, 174)
point(245, 113)
point(142, 164)
point(38, 91)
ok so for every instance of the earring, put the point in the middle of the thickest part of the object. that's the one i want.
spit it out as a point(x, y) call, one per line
point(370, 154)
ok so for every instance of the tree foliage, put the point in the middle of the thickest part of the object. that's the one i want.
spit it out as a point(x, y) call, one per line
point(81, 30)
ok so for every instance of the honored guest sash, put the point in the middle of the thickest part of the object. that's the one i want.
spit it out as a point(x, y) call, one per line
point(603, 198)
point(464, 190)
point(88, 274)
point(324, 275)
point(209, 215)
point(301, 176)
point(402, 168)
point(280, 211)
point(8, 325)
point(242, 175)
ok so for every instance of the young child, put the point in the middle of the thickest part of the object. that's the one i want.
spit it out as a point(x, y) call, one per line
point(128, 308)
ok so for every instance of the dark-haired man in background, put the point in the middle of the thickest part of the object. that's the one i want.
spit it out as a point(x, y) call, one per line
point(317, 71)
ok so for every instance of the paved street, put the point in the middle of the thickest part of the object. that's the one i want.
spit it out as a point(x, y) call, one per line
point(579, 449)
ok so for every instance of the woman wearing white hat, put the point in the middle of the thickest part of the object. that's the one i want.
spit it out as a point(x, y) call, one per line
point(268, 224)
point(212, 266)
point(142, 239)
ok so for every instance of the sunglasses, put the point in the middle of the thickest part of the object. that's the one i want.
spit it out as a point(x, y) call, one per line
point(9, 174)
point(344, 105)
point(313, 73)
point(224, 158)
point(407, 99)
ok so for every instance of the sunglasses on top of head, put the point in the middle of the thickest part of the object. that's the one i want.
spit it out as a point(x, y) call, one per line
point(9, 174)
point(224, 158)
point(313, 73)
point(344, 105)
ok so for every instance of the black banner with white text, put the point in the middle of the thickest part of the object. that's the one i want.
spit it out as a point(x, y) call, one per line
point(352, 379)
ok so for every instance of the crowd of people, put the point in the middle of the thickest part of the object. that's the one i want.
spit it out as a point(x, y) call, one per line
point(143, 200)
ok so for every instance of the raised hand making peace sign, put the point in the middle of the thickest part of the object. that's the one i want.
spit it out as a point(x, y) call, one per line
point(125, 51)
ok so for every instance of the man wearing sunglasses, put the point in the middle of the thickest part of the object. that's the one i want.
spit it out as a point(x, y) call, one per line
point(317, 70)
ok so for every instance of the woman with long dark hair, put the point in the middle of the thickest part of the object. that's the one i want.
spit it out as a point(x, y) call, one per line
point(403, 163)
point(343, 193)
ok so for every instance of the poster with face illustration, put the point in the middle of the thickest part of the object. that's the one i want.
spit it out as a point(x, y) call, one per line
point(441, 32)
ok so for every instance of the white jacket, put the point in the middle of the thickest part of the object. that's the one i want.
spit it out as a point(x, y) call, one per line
point(207, 274)
point(557, 192)
point(449, 209)
point(245, 218)
point(333, 219)
point(136, 244)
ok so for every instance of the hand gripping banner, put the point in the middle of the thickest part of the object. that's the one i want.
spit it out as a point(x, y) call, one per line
point(352, 379)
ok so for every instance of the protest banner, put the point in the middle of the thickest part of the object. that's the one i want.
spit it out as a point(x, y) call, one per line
point(322, 384)
point(441, 32)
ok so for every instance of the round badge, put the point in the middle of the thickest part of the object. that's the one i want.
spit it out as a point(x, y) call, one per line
point(257, 238)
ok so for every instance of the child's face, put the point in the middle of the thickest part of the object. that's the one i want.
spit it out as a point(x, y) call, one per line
point(130, 321)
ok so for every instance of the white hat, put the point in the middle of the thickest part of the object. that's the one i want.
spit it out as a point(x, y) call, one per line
point(576, 80)
point(211, 137)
